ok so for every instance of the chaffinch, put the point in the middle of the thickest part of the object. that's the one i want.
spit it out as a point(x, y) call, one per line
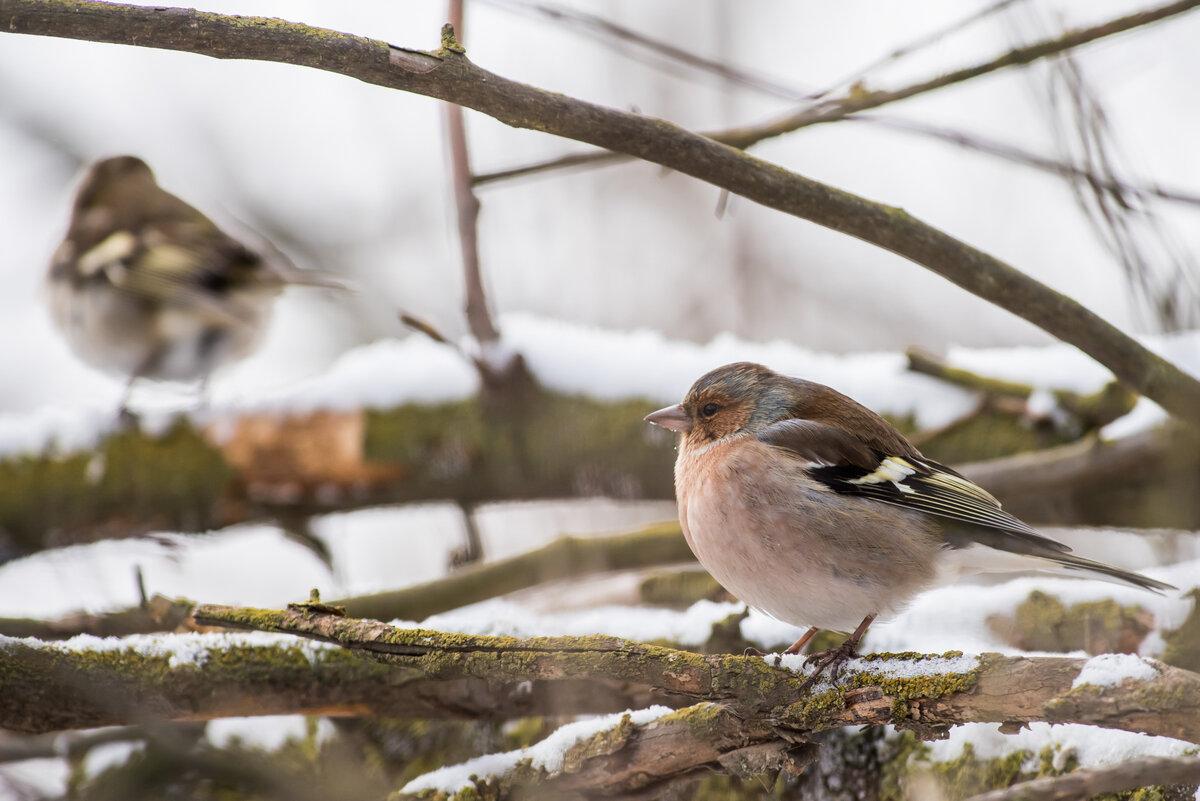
point(812, 508)
point(145, 285)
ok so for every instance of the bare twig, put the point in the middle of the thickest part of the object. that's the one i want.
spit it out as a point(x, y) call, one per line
point(479, 319)
point(1162, 275)
point(1088, 782)
point(916, 45)
point(448, 75)
point(1018, 155)
point(660, 49)
point(858, 101)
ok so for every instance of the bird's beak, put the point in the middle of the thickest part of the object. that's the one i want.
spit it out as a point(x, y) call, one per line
point(672, 417)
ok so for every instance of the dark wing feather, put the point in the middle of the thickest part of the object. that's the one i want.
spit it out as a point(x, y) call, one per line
point(841, 462)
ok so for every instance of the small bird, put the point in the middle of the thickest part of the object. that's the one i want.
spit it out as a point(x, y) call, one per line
point(815, 510)
point(146, 286)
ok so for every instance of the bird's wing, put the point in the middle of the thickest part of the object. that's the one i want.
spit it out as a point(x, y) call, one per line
point(845, 464)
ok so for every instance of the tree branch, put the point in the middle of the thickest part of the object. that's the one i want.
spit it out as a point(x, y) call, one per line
point(850, 106)
point(479, 319)
point(997, 689)
point(1089, 782)
point(447, 75)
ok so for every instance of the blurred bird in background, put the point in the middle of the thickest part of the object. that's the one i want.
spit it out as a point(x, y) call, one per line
point(812, 508)
point(146, 286)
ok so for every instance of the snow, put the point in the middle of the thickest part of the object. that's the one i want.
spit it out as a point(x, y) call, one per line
point(182, 649)
point(1111, 670)
point(109, 755)
point(572, 358)
point(214, 567)
point(547, 755)
point(34, 778)
point(384, 548)
point(888, 668)
point(268, 732)
point(1092, 746)
point(499, 617)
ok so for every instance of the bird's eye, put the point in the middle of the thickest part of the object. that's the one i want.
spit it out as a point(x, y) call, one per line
point(709, 409)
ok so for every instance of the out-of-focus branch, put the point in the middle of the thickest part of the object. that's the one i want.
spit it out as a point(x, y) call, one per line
point(1027, 158)
point(1090, 411)
point(466, 205)
point(447, 75)
point(564, 559)
point(1089, 782)
point(933, 37)
point(159, 614)
point(858, 100)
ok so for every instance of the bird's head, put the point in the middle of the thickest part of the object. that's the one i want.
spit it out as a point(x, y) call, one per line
point(734, 398)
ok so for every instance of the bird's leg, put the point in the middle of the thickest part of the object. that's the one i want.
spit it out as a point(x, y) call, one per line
point(833, 658)
point(799, 644)
point(794, 648)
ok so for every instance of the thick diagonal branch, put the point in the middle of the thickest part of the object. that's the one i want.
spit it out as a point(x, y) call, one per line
point(448, 75)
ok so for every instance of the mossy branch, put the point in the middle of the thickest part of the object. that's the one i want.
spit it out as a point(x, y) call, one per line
point(999, 689)
point(1092, 411)
point(735, 714)
point(1095, 782)
point(262, 467)
point(159, 614)
point(563, 559)
point(448, 75)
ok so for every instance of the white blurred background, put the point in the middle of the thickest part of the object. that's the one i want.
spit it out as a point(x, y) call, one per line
point(353, 179)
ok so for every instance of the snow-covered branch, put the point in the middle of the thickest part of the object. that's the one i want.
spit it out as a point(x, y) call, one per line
point(448, 75)
point(1089, 782)
point(926, 693)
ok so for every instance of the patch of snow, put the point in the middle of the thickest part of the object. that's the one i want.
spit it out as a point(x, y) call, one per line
point(1145, 416)
point(890, 668)
point(267, 732)
point(34, 778)
point(1041, 403)
point(1111, 670)
point(109, 755)
point(503, 618)
point(249, 565)
point(955, 617)
point(604, 364)
point(188, 648)
point(374, 550)
point(511, 528)
point(1093, 746)
point(376, 376)
point(547, 755)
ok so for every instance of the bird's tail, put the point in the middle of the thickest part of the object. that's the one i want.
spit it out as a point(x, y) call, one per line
point(1109, 572)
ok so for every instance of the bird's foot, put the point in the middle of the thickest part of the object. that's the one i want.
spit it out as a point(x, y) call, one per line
point(761, 654)
point(831, 660)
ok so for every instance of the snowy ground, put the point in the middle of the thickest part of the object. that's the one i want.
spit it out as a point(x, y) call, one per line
point(390, 547)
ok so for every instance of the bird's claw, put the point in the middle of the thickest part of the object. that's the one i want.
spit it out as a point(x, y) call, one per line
point(831, 660)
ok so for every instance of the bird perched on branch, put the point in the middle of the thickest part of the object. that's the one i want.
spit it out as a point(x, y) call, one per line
point(814, 509)
point(146, 286)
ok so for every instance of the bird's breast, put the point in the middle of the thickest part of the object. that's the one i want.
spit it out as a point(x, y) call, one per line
point(792, 548)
